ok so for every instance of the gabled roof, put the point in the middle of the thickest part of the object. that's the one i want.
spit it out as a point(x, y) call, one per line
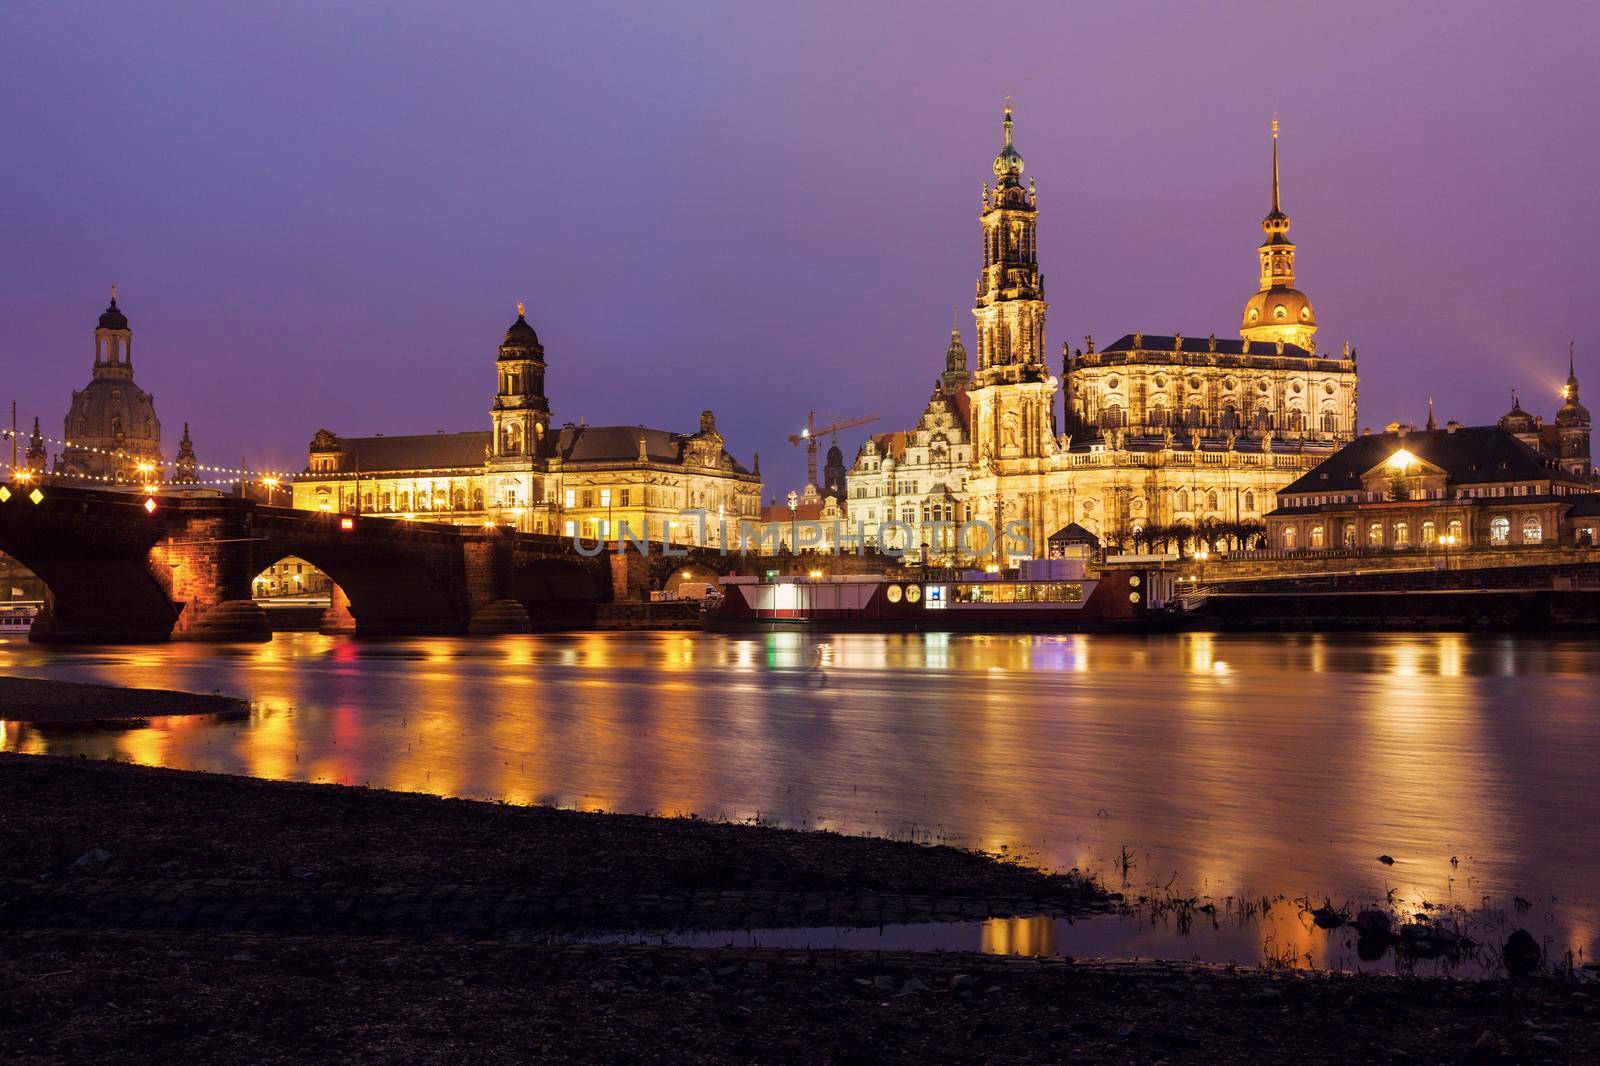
point(1073, 533)
point(1470, 455)
point(1156, 342)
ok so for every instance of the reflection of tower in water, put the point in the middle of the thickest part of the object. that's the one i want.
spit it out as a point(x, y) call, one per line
point(1019, 936)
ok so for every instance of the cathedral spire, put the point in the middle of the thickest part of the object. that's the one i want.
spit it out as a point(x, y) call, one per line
point(1431, 423)
point(1275, 208)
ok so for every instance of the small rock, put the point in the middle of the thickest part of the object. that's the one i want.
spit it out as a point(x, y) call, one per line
point(883, 981)
point(92, 858)
point(302, 873)
point(1127, 1030)
point(729, 970)
point(755, 967)
point(962, 982)
point(245, 956)
point(1387, 860)
point(1521, 953)
point(1546, 1040)
point(913, 984)
point(1486, 1044)
point(1373, 922)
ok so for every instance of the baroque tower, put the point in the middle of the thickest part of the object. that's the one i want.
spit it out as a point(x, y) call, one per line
point(1573, 425)
point(521, 413)
point(1278, 311)
point(1012, 393)
point(955, 374)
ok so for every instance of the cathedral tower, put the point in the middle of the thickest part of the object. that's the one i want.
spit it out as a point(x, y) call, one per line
point(956, 374)
point(111, 430)
point(521, 413)
point(1278, 311)
point(1573, 425)
point(1010, 306)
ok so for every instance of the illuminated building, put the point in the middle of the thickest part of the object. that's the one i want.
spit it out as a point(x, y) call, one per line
point(1435, 489)
point(1158, 432)
point(572, 480)
point(111, 429)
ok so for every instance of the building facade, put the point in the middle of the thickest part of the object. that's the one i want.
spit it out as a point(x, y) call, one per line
point(576, 480)
point(1181, 433)
point(1456, 488)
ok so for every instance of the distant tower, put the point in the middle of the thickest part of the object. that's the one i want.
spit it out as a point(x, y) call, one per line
point(521, 413)
point(36, 453)
point(834, 474)
point(1010, 307)
point(1572, 426)
point(187, 467)
point(1521, 424)
point(1278, 311)
point(956, 374)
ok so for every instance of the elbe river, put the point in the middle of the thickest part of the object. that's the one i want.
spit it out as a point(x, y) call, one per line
point(1240, 765)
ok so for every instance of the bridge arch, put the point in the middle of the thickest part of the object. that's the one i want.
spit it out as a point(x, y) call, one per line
point(390, 591)
point(558, 593)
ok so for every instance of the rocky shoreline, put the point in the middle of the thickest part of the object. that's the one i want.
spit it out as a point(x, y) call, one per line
point(46, 701)
point(147, 914)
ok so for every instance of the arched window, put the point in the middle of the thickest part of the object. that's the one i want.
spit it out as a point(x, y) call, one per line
point(1430, 533)
point(1249, 500)
point(458, 499)
point(1112, 418)
point(1499, 530)
point(388, 501)
point(405, 501)
point(1158, 415)
point(1297, 421)
point(1455, 529)
point(1402, 535)
point(1316, 536)
point(1183, 499)
point(1532, 529)
point(1349, 534)
point(1288, 537)
point(1375, 535)
point(1328, 423)
point(1192, 419)
point(1211, 501)
point(1230, 416)
point(511, 439)
point(1263, 418)
point(477, 499)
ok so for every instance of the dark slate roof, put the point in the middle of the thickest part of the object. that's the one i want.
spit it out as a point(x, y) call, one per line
point(421, 451)
point(1587, 504)
point(1470, 455)
point(455, 451)
point(1073, 533)
point(1156, 342)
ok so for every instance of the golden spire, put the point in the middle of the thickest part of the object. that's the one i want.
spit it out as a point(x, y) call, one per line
point(1008, 121)
point(1275, 208)
point(522, 309)
point(113, 292)
point(1431, 423)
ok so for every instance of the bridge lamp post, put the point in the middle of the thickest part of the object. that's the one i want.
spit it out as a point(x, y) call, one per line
point(271, 485)
point(1447, 542)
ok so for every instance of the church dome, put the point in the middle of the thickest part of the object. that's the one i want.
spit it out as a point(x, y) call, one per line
point(520, 335)
point(107, 416)
point(1279, 307)
point(112, 317)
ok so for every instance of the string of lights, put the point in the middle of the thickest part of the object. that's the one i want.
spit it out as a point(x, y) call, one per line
point(209, 468)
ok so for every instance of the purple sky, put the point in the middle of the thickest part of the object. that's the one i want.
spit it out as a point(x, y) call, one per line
point(323, 215)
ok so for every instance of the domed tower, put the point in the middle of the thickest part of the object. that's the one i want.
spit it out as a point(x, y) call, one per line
point(521, 413)
point(834, 475)
point(111, 430)
point(1278, 311)
point(1572, 426)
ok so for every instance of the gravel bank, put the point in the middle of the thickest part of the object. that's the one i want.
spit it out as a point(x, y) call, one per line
point(27, 699)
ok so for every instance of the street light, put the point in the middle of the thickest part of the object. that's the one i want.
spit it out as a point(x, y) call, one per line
point(271, 485)
point(1448, 540)
point(1202, 555)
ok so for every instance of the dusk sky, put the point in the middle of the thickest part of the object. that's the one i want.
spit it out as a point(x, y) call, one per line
point(324, 215)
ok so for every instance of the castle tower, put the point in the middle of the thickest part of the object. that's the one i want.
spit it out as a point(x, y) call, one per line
point(1573, 425)
point(521, 413)
point(956, 375)
point(36, 452)
point(1278, 311)
point(834, 475)
point(186, 466)
point(1010, 307)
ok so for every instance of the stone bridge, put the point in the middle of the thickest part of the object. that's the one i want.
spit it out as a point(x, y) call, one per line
point(116, 571)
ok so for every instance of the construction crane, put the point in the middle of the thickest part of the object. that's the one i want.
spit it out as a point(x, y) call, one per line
point(808, 435)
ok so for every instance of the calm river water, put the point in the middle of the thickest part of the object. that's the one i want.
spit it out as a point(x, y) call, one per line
point(1237, 765)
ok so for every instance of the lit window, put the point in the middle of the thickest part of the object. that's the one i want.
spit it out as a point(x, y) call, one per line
point(1430, 535)
point(571, 528)
point(605, 497)
point(1402, 535)
point(1375, 535)
point(1455, 530)
point(624, 495)
point(572, 498)
point(1499, 530)
point(605, 529)
point(1288, 537)
point(1532, 530)
point(1316, 536)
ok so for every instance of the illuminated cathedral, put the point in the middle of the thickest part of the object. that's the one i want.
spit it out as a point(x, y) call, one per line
point(1155, 431)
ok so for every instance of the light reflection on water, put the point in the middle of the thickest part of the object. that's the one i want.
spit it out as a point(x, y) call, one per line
point(1241, 765)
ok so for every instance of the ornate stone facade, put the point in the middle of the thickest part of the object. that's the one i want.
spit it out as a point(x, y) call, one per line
point(590, 481)
point(1159, 431)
